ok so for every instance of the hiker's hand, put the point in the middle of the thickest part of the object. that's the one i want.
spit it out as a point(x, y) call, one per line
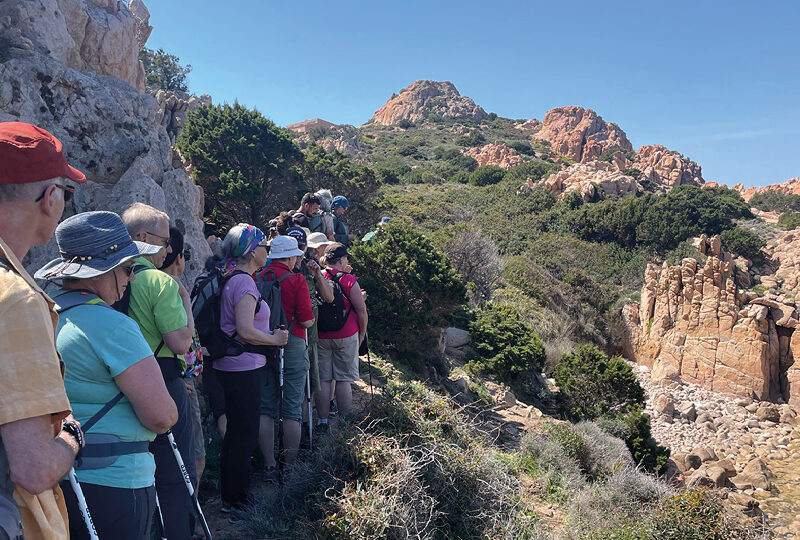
point(71, 418)
point(313, 267)
point(364, 293)
point(348, 269)
point(282, 336)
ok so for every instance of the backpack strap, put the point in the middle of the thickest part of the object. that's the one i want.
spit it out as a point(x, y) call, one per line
point(335, 278)
point(5, 263)
point(102, 412)
point(77, 297)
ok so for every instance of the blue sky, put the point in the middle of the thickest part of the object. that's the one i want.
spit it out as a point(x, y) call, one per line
point(718, 81)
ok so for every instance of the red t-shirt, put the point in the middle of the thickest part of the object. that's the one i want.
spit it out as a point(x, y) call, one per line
point(295, 297)
point(351, 325)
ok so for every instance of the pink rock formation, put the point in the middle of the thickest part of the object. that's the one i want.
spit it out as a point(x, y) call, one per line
point(693, 319)
point(423, 98)
point(533, 123)
point(580, 134)
point(593, 180)
point(495, 154)
point(790, 187)
point(667, 168)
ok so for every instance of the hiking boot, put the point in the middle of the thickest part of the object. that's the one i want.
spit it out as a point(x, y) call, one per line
point(320, 430)
point(236, 514)
point(334, 410)
point(271, 474)
point(225, 508)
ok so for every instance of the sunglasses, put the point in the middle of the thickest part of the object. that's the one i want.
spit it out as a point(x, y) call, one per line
point(68, 191)
point(128, 269)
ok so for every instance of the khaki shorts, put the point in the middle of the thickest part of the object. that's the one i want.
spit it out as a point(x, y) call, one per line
point(338, 359)
point(289, 399)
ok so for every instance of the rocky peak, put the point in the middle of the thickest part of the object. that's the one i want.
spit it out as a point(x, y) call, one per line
point(666, 167)
point(790, 187)
point(580, 134)
point(420, 99)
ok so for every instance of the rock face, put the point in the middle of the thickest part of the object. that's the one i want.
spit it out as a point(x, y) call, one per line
point(667, 168)
point(693, 319)
point(423, 98)
point(343, 138)
point(790, 187)
point(172, 109)
point(580, 134)
point(495, 154)
point(593, 180)
point(72, 68)
point(531, 124)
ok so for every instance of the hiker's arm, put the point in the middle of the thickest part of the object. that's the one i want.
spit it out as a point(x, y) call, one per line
point(180, 341)
point(304, 315)
point(324, 286)
point(36, 459)
point(245, 331)
point(360, 307)
point(144, 386)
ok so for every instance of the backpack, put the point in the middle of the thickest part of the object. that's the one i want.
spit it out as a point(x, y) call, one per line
point(270, 289)
point(206, 309)
point(333, 315)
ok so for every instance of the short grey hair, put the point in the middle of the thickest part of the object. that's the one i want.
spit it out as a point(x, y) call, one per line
point(27, 191)
point(140, 217)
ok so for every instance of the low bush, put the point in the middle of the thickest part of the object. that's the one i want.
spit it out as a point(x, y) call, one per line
point(775, 201)
point(789, 220)
point(743, 242)
point(487, 175)
point(506, 347)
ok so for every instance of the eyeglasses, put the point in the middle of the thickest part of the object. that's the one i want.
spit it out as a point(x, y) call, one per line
point(164, 239)
point(68, 191)
point(128, 269)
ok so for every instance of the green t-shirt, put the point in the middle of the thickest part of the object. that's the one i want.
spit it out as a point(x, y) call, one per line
point(97, 344)
point(156, 306)
point(311, 332)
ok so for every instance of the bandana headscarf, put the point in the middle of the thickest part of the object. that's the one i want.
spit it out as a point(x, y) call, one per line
point(249, 239)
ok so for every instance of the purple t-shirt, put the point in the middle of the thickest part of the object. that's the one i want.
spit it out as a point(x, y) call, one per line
point(235, 289)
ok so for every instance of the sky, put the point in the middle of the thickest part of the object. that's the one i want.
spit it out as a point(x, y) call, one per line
point(718, 81)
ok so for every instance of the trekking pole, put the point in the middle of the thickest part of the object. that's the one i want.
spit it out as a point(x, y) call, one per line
point(160, 518)
point(308, 394)
point(87, 517)
point(369, 370)
point(189, 486)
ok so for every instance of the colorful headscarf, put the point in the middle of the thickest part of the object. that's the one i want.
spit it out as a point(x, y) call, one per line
point(249, 239)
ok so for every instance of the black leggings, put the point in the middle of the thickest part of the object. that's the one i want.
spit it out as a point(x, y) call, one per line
point(243, 410)
point(121, 514)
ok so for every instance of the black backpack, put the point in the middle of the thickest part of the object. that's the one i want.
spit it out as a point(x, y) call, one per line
point(206, 305)
point(270, 289)
point(333, 315)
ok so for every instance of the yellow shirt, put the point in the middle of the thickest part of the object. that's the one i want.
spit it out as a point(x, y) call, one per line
point(31, 383)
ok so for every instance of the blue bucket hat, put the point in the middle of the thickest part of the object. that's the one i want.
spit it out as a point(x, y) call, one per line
point(91, 244)
point(340, 201)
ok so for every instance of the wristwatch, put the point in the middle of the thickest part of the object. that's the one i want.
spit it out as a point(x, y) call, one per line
point(73, 429)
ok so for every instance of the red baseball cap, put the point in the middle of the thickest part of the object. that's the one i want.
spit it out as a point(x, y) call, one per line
point(31, 154)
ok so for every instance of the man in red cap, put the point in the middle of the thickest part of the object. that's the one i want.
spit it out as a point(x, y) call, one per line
point(39, 439)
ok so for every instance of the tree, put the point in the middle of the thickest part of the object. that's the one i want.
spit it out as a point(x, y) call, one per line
point(164, 70)
point(412, 289)
point(476, 259)
point(592, 384)
point(244, 162)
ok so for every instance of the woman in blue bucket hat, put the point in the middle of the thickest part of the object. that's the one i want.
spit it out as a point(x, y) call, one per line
point(112, 379)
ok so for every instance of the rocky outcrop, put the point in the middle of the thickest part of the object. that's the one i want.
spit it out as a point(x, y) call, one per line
point(580, 134)
point(531, 124)
point(422, 98)
point(593, 180)
point(173, 107)
point(68, 66)
point(694, 321)
point(343, 138)
point(667, 168)
point(495, 154)
point(790, 187)
point(86, 35)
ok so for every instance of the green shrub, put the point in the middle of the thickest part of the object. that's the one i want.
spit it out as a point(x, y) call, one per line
point(534, 170)
point(473, 139)
point(743, 242)
point(522, 148)
point(608, 155)
point(505, 345)
point(405, 123)
point(592, 384)
point(684, 250)
point(775, 201)
point(644, 449)
point(634, 172)
point(487, 175)
point(412, 289)
point(789, 220)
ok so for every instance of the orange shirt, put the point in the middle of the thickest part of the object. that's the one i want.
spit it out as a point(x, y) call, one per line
point(31, 383)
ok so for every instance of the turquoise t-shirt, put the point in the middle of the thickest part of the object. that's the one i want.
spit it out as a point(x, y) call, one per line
point(156, 306)
point(98, 343)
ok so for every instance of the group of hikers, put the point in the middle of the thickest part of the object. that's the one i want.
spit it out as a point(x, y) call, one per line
point(100, 418)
